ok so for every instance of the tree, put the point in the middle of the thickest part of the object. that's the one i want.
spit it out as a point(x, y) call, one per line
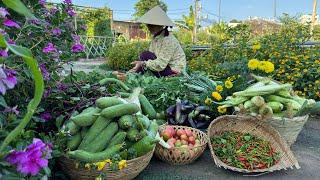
point(235, 21)
point(143, 6)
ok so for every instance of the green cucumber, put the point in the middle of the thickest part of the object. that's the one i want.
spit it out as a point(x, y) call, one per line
point(144, 145)
point(94, 131)
point(84, 131)
point(90, 157)
point(146, 107)
point(126, 122)
point(113, 80)
point(87, 118)
point(133, 134)
point(103, 139)
point(118, 138)
point(119, 110)
point(153, 129)
point(74, 141)
point(88, 109)
point(71, 127)
point(105, 102)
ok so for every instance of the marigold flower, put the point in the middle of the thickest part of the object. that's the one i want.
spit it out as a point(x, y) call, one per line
point(269, 67)
point(100, 165)
point(228, 84)
point(219, 88)
point(222, 109)
point(122, 164)
point(208, 101)
point(216, 96)
point(253, 64)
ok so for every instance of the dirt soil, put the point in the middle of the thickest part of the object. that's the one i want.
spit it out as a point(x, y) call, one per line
point(306, 150)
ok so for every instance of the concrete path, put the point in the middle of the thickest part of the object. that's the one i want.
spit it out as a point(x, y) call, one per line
point(306, 150)
point(85, 65)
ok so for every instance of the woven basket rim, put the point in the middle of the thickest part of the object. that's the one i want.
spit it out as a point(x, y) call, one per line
point(201, 145)
point(275, 167)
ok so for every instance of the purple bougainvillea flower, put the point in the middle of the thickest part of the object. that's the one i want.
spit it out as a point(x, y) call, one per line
point(67, 2)
point(3, 12)
point(11, 41)
point(8, 80)
point(3, 53)
point(83, 27)
point(44, 71)
point(10, 23)
point(12, 110)
point(76, 38)
point(56, 31)
point(32, 159)
point(45, 116)
point(77, 47)
point(49, 48)
point(34, 21)
point(71, 12)
point(3, 32)
point(47, 93)
point(61, 86)
point(42, 2)
point(53, 10)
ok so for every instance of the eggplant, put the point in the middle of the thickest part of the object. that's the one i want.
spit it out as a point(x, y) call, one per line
point(172, 121)
point(187, 108)
point(178, 110)
point(171, 111)
point(183, 118)
point(191, 121)
point(201, 124)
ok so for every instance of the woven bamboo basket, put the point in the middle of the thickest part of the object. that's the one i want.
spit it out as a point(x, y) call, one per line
point(133, 169)
point(247, 124)
point(289, 128)
point(181, 156)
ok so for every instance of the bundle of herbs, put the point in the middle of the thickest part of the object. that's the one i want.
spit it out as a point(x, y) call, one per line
point(244, 151)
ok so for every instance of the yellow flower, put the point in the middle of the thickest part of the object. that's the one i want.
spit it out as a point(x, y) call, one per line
point(87, 165)
point(219, 88)
point(216, 96)
point(253, 64)
point(100, 165)
point(222, 109)
point(122, 164)
point(256, 46)
point(262, 65)
point(208, 101)
point(228, 84)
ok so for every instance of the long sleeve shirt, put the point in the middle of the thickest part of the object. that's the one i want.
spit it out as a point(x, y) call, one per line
point(169, 52)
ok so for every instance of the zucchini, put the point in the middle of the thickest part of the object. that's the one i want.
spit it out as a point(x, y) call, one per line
point(118, 138)
point(144, 146)
point(126, 122)
point(153, 129)
point(102, 140)
point(87, 118)
point(146, 107)
point(74, 141)
point(106, 102)
point(94, 131)
point(84, 131)
point(120, 110)
point(90, 157)
point(116, 81)
point(70, 127)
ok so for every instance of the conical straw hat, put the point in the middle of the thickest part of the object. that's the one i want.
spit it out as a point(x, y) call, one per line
point(156, 16)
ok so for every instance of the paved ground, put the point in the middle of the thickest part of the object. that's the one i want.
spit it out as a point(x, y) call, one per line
point(85, 65)
point(306, 149)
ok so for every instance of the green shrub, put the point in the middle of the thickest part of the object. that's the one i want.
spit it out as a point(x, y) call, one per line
point(120, 56)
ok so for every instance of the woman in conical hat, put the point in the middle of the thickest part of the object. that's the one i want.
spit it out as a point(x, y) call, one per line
point(165, 56)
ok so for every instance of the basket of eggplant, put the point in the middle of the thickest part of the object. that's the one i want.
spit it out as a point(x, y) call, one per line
point(186, 113)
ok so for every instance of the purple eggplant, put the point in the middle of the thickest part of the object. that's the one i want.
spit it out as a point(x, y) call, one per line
point(171, 111)
point(178, 110)
point(172, 121)
point(191, 121)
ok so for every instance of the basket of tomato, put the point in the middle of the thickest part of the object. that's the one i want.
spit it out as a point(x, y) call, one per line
point(181, 144)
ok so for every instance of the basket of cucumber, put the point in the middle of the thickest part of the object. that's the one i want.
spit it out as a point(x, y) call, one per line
point(114, 139)
point(180, 145)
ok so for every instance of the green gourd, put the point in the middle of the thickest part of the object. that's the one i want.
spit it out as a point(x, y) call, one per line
point(105, 102)
point(126, 122)
point(74, 141)
point(144, 145)
point(87, 118)
point(118, 138)
point(120, 110)
point(146, 107)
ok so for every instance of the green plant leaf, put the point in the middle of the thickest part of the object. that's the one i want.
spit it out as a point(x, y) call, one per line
point(19, 50)
point(3, 102)
point(19, 7)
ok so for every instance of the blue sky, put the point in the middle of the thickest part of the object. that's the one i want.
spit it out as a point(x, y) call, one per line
point(230, 9)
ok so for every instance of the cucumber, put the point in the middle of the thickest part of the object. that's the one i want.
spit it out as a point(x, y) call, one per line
point(87, 118)
point(126, 122)
point(106, 102)
point(133, 134)
point(144, 121)
point(74, 141)
point(153, 129)
point(102, 140)
point(94, 131)
point(119, 110)
point(90, 157)
point(84, 131)
point(118, 138)
point(146, 107)
point(113, 80)
point(88, 109)
point(144, 146)
point(71, 127)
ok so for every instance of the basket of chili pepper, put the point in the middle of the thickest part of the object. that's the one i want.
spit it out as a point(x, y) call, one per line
point(244, 144)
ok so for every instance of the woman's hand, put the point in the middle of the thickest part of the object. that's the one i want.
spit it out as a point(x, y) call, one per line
point(137, 66)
